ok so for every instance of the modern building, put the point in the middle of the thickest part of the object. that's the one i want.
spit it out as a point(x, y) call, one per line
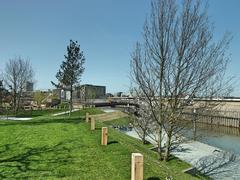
point(86, 92)
point(29, 86)
point(82, 94)
point(61, 94)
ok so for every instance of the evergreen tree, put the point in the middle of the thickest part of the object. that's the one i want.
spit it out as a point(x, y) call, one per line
point(71, 70)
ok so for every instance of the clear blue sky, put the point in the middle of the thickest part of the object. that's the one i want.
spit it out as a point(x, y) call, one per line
point(106, 31)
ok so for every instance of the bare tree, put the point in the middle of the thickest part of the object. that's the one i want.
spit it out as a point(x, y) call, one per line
point(177, 61)
point(18, 72)
point(142, 122)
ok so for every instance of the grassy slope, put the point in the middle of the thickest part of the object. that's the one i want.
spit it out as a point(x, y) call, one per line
point(56, 147)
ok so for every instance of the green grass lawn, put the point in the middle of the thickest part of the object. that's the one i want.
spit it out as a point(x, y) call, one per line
point(58, 147)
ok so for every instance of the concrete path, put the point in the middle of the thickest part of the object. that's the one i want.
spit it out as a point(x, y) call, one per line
point(14, 118)
point(65, 112)
point(212, 161)
point(26, 119)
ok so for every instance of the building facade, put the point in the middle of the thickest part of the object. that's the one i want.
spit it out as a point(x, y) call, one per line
point(87, 92)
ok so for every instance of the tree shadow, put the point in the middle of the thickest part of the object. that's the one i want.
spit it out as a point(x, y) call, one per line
point(112, 142)
point(216, 164)
point(174, 149)
point(30, 162)
point(153, 178)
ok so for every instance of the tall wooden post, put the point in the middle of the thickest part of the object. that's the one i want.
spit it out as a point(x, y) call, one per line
point(104, 135)
point(137, 166)
point(92, 123)
point(87, 117)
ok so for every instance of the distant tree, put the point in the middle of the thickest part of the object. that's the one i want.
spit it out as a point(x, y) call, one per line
point(39, 97)
point(71, 69)
point(18, 72)
point(1, 92)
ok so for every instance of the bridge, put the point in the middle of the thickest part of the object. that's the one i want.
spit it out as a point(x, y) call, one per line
point(113, 102)
point(230, 104)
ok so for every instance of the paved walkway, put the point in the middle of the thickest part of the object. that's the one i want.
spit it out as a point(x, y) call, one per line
point(14, 118)
point(213, 162)
point(65, 112)
point(26, 119)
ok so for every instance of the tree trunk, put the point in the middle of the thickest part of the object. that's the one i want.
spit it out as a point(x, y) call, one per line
point(70, 105)
point(15, 102)
point(168, 146)
point(194, 124)
point(144, 138)
point(159, 143)
point(18, 101)
point(194, 130)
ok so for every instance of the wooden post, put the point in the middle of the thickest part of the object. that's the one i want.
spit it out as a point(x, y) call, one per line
point(104, 135)
point(92, 123)
point(87, 117)
point(137, 166)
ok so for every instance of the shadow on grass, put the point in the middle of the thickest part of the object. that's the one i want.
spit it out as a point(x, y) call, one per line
point(112, 142)
point(26, 162)
point(153, 178)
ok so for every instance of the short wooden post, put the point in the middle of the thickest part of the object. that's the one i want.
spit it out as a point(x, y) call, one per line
point(87, 117)
point(104, 135)
point(92, 123)
point(137, 166)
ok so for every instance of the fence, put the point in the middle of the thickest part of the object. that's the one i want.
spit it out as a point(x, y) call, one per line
point(223, 118)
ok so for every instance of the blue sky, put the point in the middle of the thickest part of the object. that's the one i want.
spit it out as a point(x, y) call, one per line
point(106, 31)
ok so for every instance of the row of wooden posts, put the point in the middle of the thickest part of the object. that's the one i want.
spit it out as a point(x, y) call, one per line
point(136, 159)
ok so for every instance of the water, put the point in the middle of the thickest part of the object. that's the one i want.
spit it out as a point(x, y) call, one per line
point(225, 138)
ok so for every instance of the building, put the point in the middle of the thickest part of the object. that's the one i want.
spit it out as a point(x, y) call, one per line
point(29, 86)
point(61, 94)
point(86, 92)
point(81, 94)
point(27, 94)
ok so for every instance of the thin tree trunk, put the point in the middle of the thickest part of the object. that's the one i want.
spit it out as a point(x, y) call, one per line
point(18, 101)
point(159, 143)
point(144, 137)
point(15, 102)
point(70, 105)
point(168, 145)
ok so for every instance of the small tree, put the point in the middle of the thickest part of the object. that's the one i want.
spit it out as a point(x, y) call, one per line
point(39, 97)
point(71, 70)
point(18, 72)
point(178, 61)
point(142, 121)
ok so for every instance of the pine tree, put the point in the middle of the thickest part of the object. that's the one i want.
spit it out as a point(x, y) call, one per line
point(71, 69)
